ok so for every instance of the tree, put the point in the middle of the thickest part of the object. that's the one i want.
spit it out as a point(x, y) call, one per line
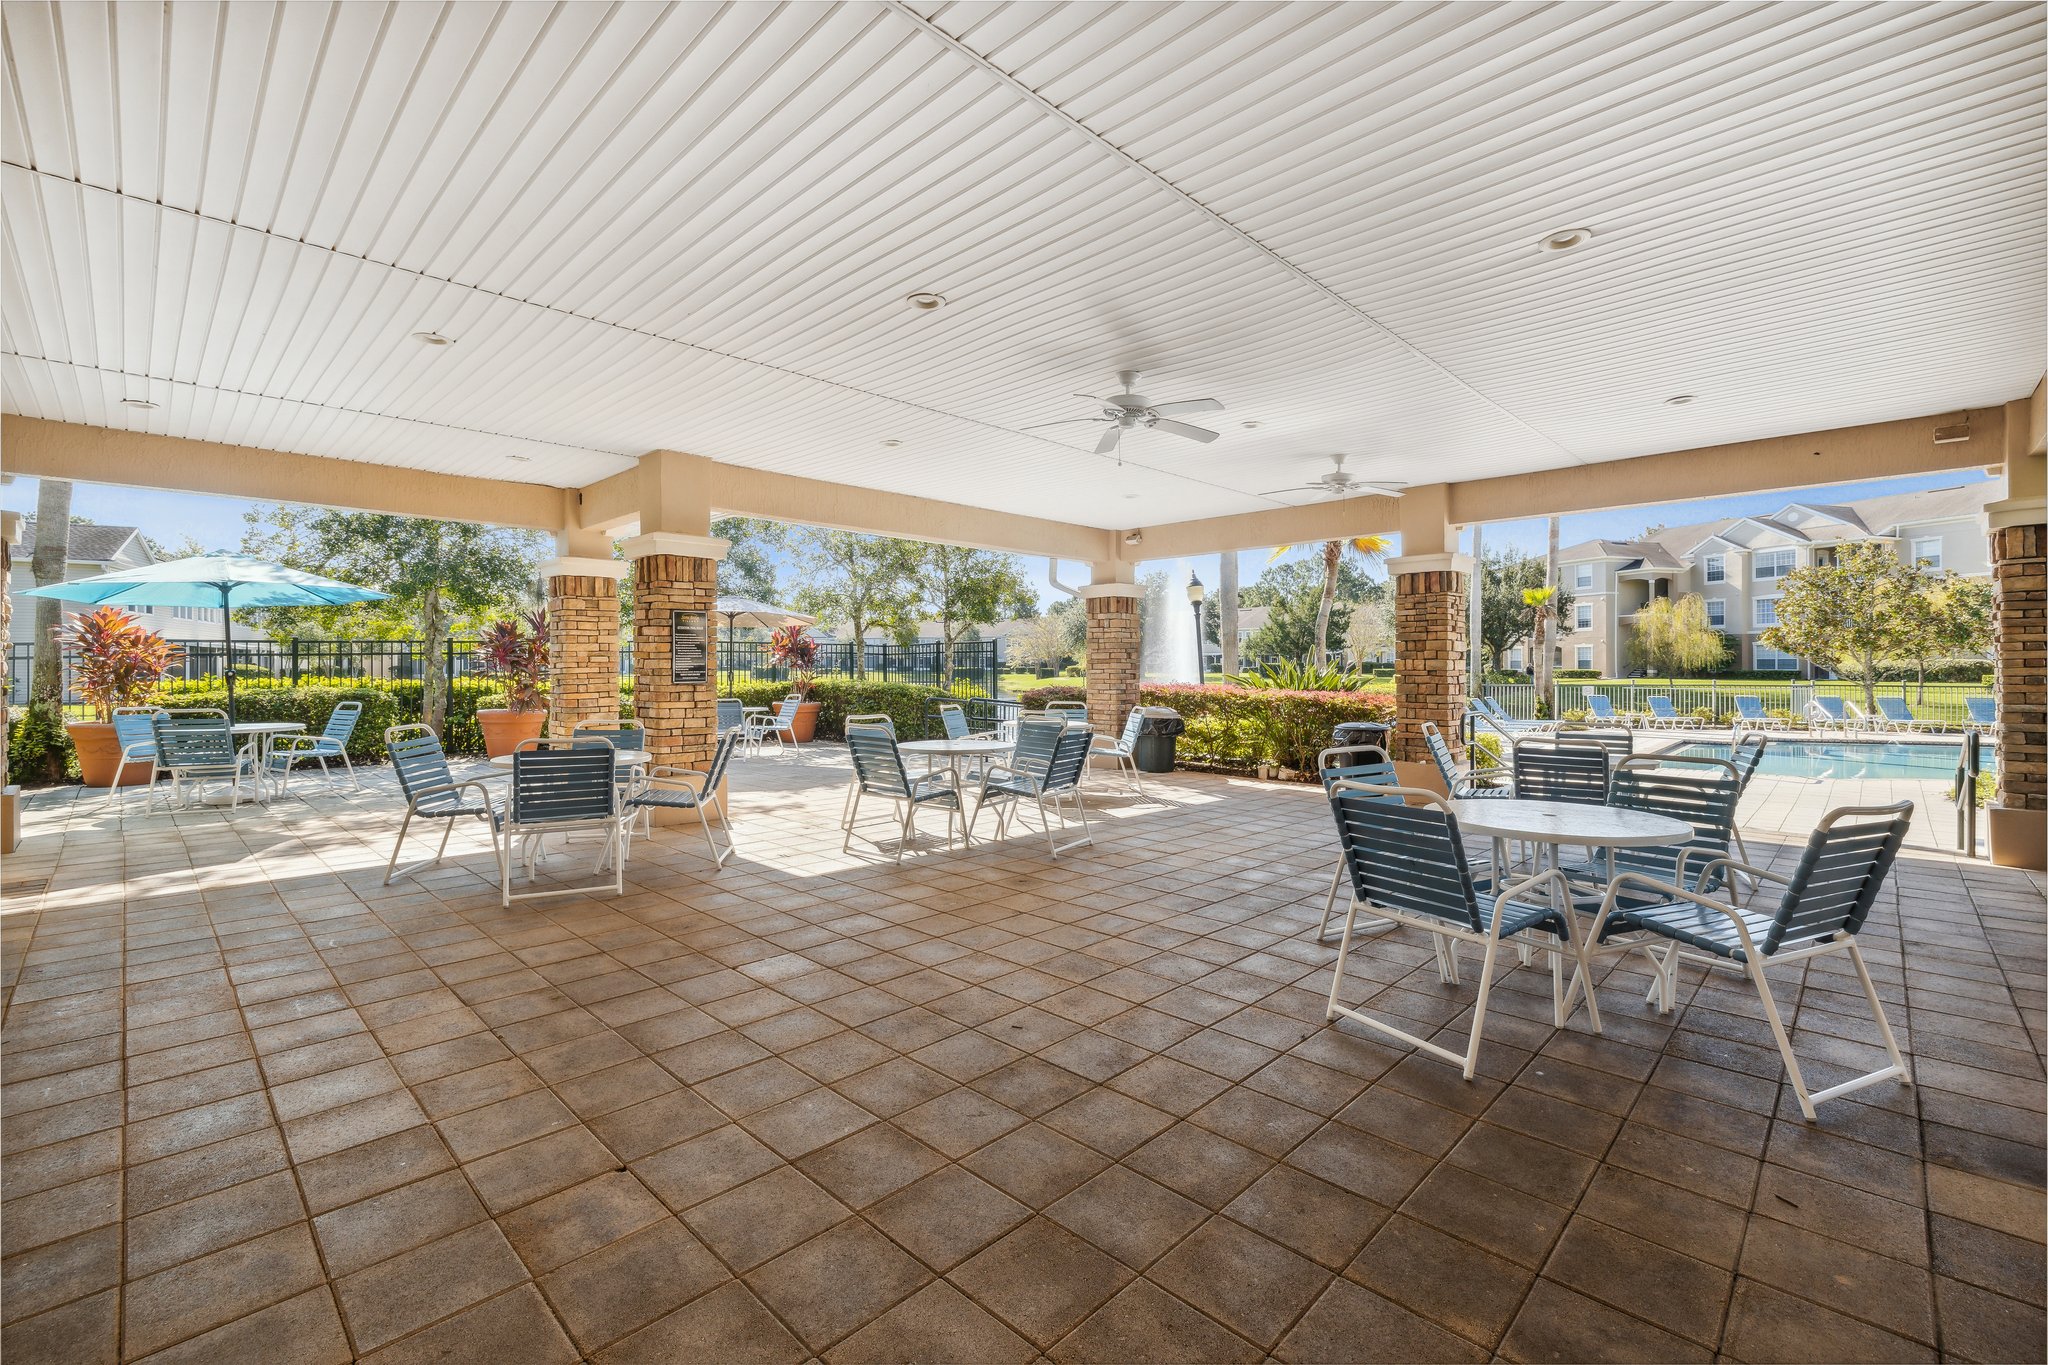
point(1546, 608)
point(1371, 632)
point(1226, 611)
point(1673, 637)
point(1371, 549)
point(187, 546)
point(965, 588)
point(1039, 643)
point(53, 551)
point(1849, 615)
point(435, 571)
point(748, 569)
point(857, 582)
point(1505, 619)
point(1292, 594)
point(1949, 618)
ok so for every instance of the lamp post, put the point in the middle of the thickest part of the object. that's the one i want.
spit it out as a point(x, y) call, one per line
point(1195, 604)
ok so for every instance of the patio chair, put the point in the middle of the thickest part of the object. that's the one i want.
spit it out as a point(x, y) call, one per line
point(878, 771)
point(1485, 711)
point(1407, 863)
point(1619, 744)
point(288, 751)
point(1055, 778)
point(1894, 714)
point(621, 732)
point(1601, 708)
point(776, 724)
point(1562, 769)
point(432, 793)
point(1123, 750)
point(1069, 711)
point(1831, 713)
point(1824, 905)
point(1751, 715)
point(559, 787)
point(1462, 786)
point(1366, 763)
point(136, 734)
point(1665, 716)
point(197, 747)
point(1702, 792)
point(668, 787)
point(887, 722)
point(1983, 713)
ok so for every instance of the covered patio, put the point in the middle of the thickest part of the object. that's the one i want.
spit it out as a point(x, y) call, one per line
point(984, 1106)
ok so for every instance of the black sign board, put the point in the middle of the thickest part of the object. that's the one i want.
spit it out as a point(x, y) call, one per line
point(688, 646)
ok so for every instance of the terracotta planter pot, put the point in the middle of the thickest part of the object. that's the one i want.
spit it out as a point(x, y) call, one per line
point(99, 752)
point(805, 726)
point(503, 730)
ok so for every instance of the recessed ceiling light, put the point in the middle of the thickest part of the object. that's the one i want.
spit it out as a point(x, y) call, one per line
point(432, 339)
point(926, 302)
point(1130, 495)
point(1565, 239)
point(892, 442)
point(520, 459)
point(1682, 399)
point(1251, 426)
point(139, 404)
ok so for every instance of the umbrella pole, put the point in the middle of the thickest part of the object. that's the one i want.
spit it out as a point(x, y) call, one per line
point(728, 656)
point(227, 640)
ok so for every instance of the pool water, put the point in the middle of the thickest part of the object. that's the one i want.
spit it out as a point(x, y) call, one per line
point(1845, 760)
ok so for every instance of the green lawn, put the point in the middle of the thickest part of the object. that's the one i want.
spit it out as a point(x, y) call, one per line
point(1015, 684)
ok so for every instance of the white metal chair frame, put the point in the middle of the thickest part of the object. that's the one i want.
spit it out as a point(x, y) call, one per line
point(134, 751)
point(185, 776)
point(287, 751)
point(1124, 750)
point(775, 724)
point(1059, 779)
point(1754, 960)
point(887, 722)
point(415, 751)
point(896, 785)
point(583, 811)
point(699, 789)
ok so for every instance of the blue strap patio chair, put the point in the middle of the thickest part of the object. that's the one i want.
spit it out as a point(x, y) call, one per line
point(1601, 708)
point(1666, 716)
point(288, 751)
point(732, 714)
point(621, 733)
point(135, 732)
point(1824, 905)
point(432, 793)
point(1046, 766)
point(1702, 792)
point(1068, 710)
point(1123, 750)
point(1830, 713)
point(954, 719)
point(1983, 712)
point(1366, 763)
point(878, 772)
point(1562, 768)
point(776, 724)
point(676, 788)
point(562, 787)
point(1490, 714)
point(887, 722)
point(1751, 715)
point(1407, 862)
point(1461, 784)
point(1894, 714)
point(197, 748)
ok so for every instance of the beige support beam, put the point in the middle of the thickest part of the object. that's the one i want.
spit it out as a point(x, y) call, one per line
point(1337, 519)
point(2026, 424)
point(69, 450)
point(736, 490)
point(1426, 522)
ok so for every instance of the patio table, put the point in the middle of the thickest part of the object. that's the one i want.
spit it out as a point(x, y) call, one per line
point(265, 733)
point(625, 758)
point(953, 750)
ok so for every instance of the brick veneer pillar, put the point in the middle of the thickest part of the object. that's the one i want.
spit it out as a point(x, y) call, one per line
point(1112, 656)
point(2019, 582)
point(681, 720)
point(1430, 642)
point(583, 628)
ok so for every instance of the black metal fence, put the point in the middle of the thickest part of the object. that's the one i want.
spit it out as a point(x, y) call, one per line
point(974, 662)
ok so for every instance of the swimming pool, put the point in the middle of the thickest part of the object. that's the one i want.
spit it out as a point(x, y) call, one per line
point(1849, 759)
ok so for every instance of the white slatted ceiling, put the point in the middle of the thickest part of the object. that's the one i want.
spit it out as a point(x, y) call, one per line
point(692, 226)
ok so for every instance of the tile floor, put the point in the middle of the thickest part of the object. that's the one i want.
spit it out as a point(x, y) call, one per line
point(984, 1107)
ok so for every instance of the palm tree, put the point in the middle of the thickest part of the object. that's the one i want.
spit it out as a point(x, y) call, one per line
point(1372, 549)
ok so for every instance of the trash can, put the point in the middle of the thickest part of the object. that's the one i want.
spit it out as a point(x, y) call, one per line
point(1158, 735)
point(1352, 732)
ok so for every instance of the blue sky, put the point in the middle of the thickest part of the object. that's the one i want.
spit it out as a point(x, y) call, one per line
point(217, 522)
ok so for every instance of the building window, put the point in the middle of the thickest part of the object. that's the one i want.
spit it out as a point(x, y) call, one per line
point(1772, 660)
point(1927, 551)
point(1773, 563)
point(1582, 576)
point(1585, 656)
point(1766, 612)
point(1716, 567)
point(1717, 613)
point(1582, 616)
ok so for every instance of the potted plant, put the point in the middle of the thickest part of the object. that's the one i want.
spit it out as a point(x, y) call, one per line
point(792, 648)
point(115, 662)
point(514, 652)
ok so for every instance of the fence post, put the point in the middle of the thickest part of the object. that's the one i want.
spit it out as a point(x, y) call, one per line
point(448, 664)
point(295, 661)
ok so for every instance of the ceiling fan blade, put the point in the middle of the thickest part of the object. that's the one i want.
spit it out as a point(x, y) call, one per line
point(1109, 439)
point(1192, 405)
point(1385, 490)
point(1091, 398)
point(1298, 488)
point(1063, 422)
point(1201, 434)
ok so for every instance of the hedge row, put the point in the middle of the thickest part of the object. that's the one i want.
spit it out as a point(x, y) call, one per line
point(385, 703)
point(1242, 727)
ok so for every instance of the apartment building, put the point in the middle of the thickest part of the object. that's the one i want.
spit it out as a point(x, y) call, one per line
point(1734, 564)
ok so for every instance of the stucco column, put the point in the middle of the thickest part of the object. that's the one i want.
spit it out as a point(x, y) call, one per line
point(583, 629)
point(1113, 644)
point(1430, 644)
point(675, 583)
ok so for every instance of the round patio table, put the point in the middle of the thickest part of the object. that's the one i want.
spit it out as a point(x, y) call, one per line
point(265, 732)
point(625, 758)
point(1566, 822)
point(954, 750)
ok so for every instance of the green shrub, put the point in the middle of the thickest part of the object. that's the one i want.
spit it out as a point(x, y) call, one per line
point(385, 703)
point(838, 698)
point(1242, 727)
point(1564, 673)
point(38, 749)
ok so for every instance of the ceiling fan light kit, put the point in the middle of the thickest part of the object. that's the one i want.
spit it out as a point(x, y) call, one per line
point(1340, 484)
point(1133, 411)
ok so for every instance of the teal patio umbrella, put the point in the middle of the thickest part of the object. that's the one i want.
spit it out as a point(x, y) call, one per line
point(225, 581)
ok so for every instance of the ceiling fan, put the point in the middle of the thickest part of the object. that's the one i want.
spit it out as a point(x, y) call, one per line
point(1132, 411)
point(1338, 484)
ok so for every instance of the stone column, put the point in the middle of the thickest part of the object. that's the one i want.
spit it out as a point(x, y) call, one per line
point(1430, 643)
point(674, 572)
point(2017, 826)
point(1113, 653)
point(583, 629)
